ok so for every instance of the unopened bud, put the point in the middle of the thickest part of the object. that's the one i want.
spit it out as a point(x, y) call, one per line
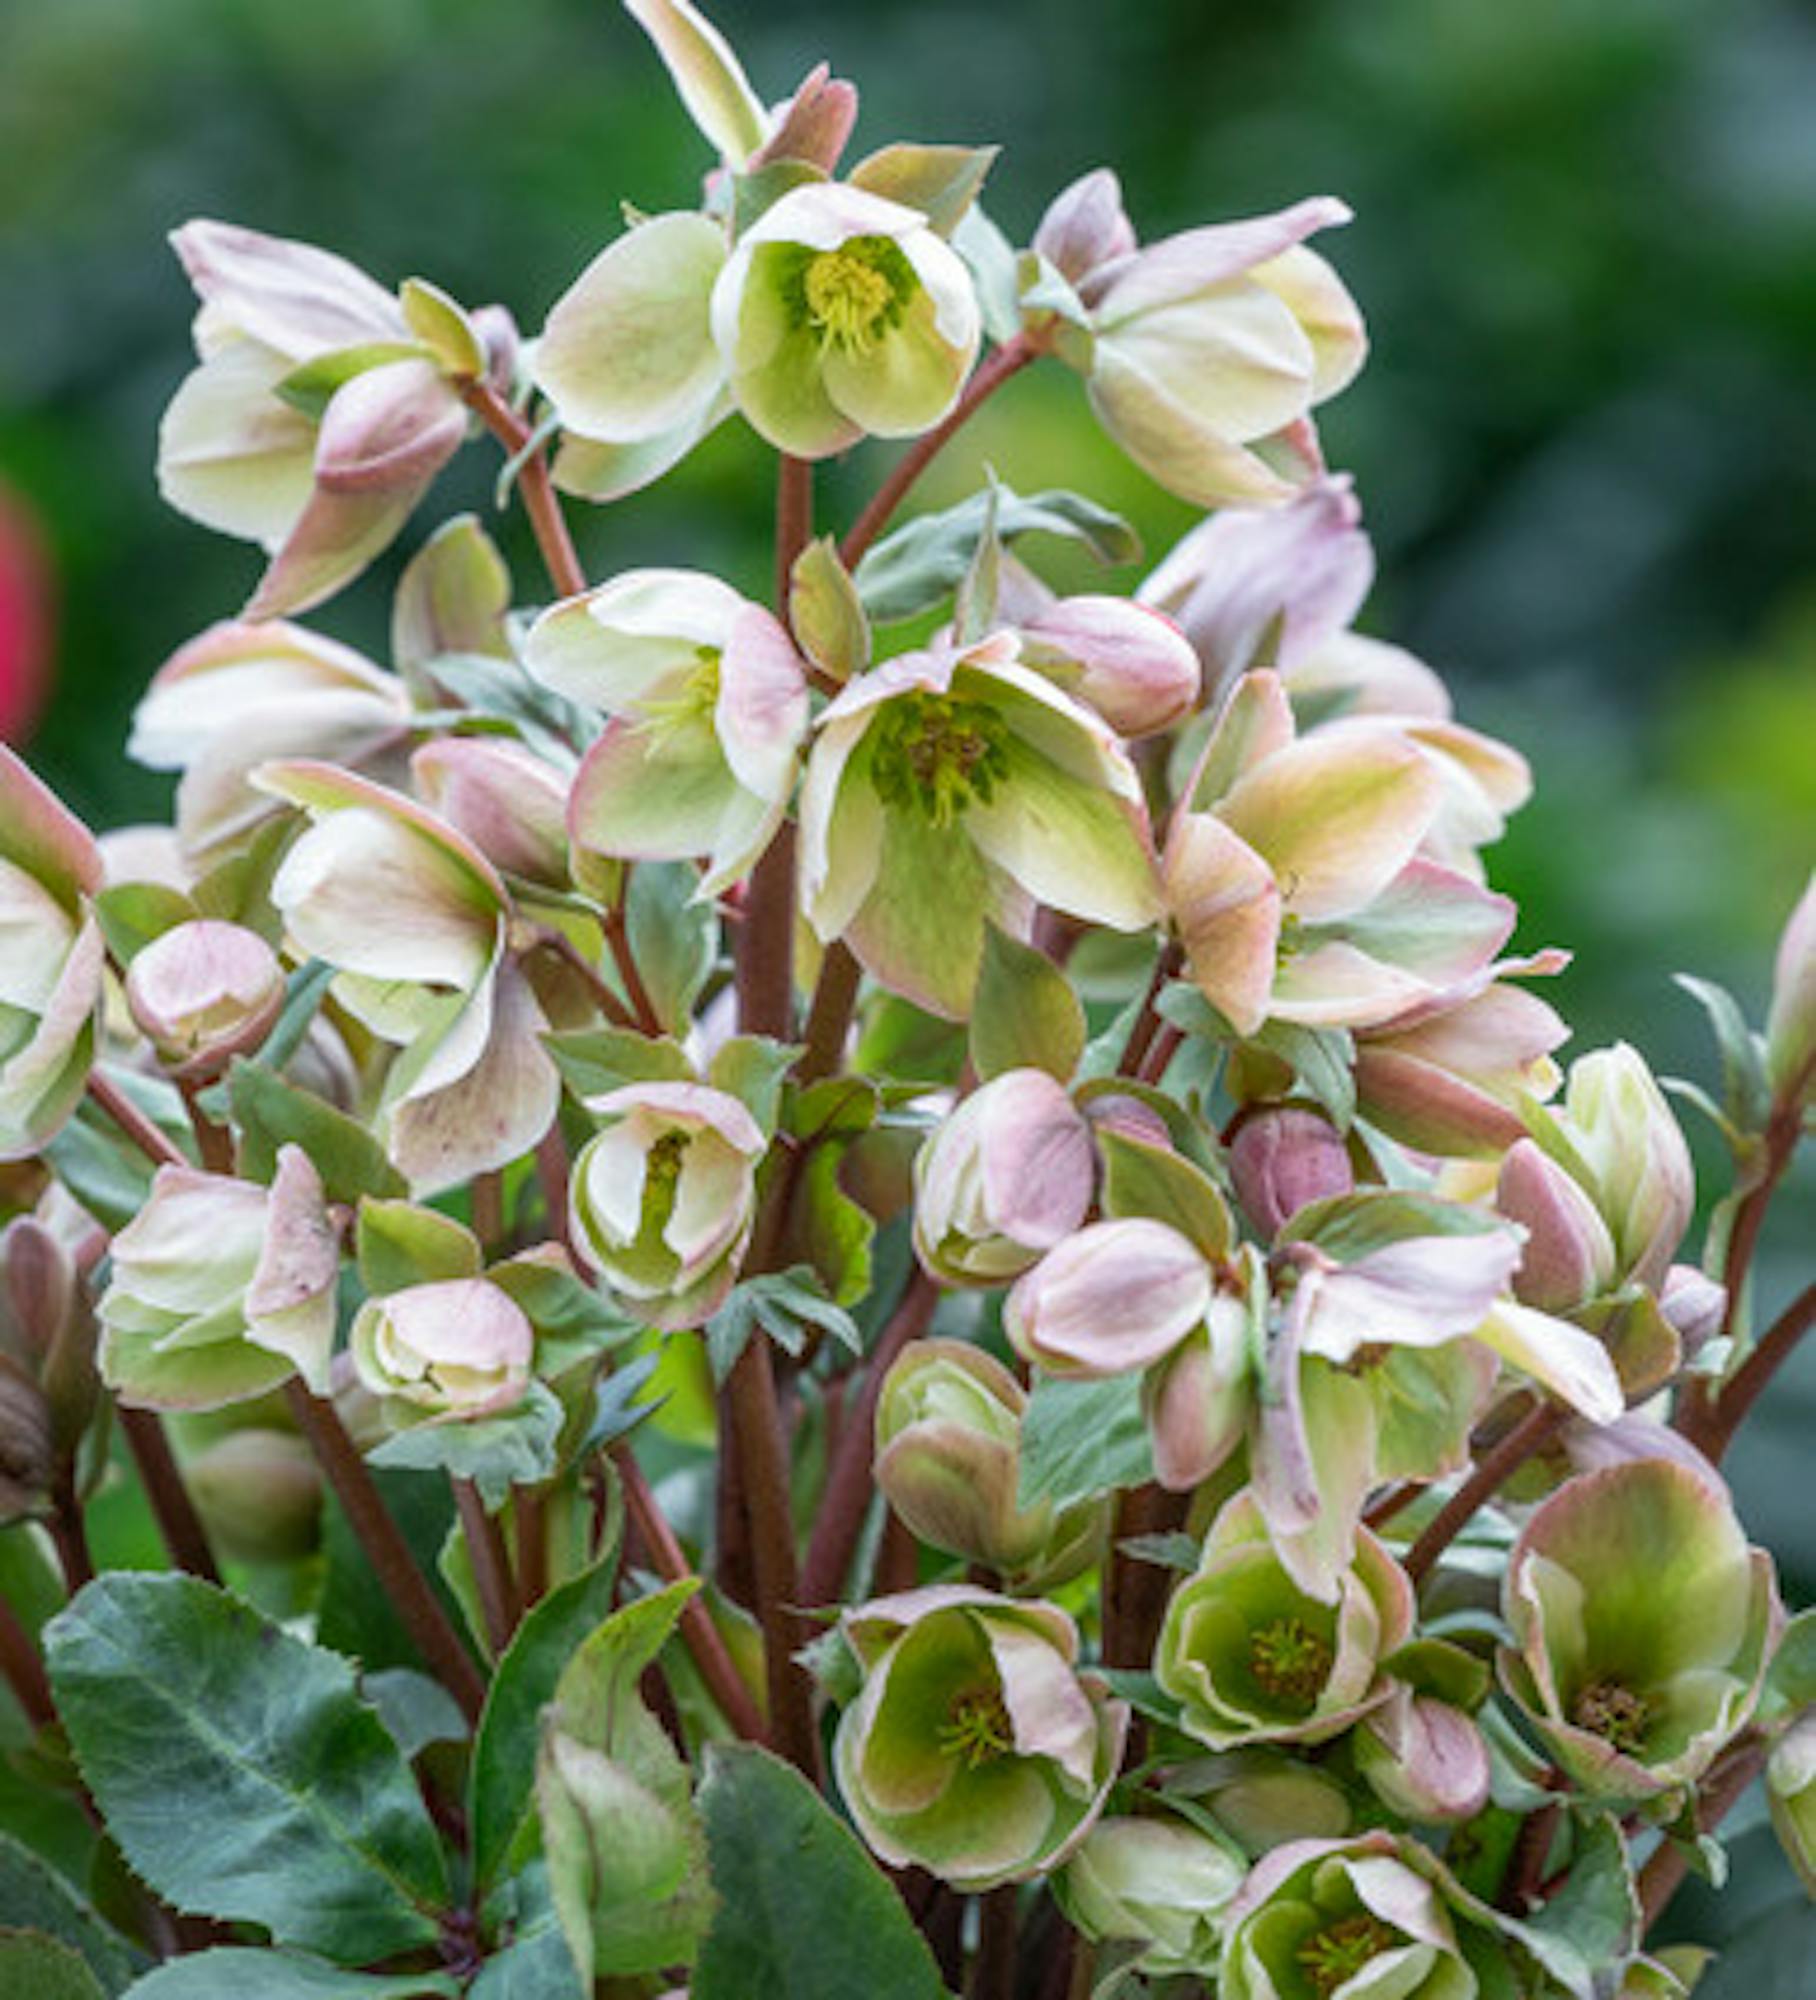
point(1132, 664)
point(1085, 226)
point(1424, 1759)
point(205, 991)
point(1568, 1256)
point(1283, 1156)
point(259, 1493)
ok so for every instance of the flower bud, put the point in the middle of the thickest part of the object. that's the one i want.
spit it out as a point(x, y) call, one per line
point(1791, 1019)
point(948, 1437)
point(1425, 1760)
point(813, 126)
point(1266, 1798)
point(975, 1748)
point(203, 992)
point(1694, 1306)
point(1568, 1257)
point(47, 1340)
point(457, 1348)
point(1791, 1792)
point(1007, 1176)
point(1645, 1187)
point(1196, 1400)
point(259, 1493)
point(507, 801)
point(663, 1199)
point(28, 1460)
point(1085, 225)
point(1158, 1881)
point(1283, 1156)
point(1110, 1299)
point(1132, 664)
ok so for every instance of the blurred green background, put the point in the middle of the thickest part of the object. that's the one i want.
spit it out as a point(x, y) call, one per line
point(1586, 444)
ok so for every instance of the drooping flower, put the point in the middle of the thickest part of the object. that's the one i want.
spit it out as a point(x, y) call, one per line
point(947, 788)
point(708, 699)
point(975, 1748)
point(51, 960)
point(456, 1348)
point(1111, 1299)
point(203, 991)
point(1157, 1881)
point(1133, 665)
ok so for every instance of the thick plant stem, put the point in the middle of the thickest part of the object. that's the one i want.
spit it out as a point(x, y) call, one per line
point(157, 1147)
point(840, 1522)
point(387, 1551)
point(491, 1566)
point(23, 1671)
point(829, 1016)
point(1136, 1591)
point(533, 482)
point(993, 1969)
point(1496, 1467)
point(1748, 1382)
point(698, 1632)
point(765, 969)
point(1148, 1023)
point(1008, 360)
point(178, 1522)
point(618, 941)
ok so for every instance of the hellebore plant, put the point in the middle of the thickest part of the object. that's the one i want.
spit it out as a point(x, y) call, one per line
point(885, 1292)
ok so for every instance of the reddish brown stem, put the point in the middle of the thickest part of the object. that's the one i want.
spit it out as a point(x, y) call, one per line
point(829, 1016)
point(214, 1142)
point(1494, 1469)
point(178, 1522)
point(1667, 1865)
point(387, 1551)
point(155, 1144)
point(846, 1500)
point(1136, 1591)
point(23, 1671)
point(1008, 360)
point(698, 1632)
point(532, 1546)
point(533, 482)
point(491, 1566)
point(993, 1969)
point(1748, 1382)
point(618, 941)
point(1148, 1022)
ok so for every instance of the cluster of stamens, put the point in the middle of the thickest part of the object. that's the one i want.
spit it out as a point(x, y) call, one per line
point(1615, 1713)
point(1338, 1952)
point(977, 1729)
point(1290, 1660)
point(936, 753)
point(853, 295)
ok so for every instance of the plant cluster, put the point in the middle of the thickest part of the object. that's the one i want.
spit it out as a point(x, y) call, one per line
point(873, 1293)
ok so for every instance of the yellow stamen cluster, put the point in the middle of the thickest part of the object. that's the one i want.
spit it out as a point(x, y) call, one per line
point(937, 753)
point(848, 299)
point(1338, 1952)
point(1290, 1660)
point(978, 1729)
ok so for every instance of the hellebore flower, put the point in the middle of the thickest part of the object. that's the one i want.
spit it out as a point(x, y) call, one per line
point(1203, 346)
point(51, 960)
point(1642, 1623)
point(1283, 1155)
point(203, 991)
point(1133, 665)
point(509, 803)
point(453, 1349)
point(1111, 1299)
point(1791, 1018)
point(709, 704)
point(1252, 1658)
point(948, 1457)
point(663, 1198)
point(322, 409)
point(975, 1748)
point(1294, 874)
point(947, 788)
point(1157, 1881)
point(221, 1290)
point(1004, 1178)
point(415, 920)
point(240, 694)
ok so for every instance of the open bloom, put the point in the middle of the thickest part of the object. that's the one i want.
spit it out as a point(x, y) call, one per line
point(455, 1348)
point(221, 1289)
point(664, 1196)
point(1642, 1624)
point(1253, 1658)
point(708, 700)
point(51, 960)
point(975, 1747)
point(947, 788)
point(317, 418)
point(414, 919)
point(1200, 347)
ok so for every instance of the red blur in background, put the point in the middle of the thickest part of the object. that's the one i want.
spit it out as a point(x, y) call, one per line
point(25, 620)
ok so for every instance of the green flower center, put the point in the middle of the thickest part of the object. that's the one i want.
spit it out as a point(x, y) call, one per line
point(661, 1177)
point(1339, 1951)
point(1291, 941)
point(1615, 1713)
point(977, 1730)
point(694, 702)
point(854, 294)
point(935, 753)
point(1290, 1660)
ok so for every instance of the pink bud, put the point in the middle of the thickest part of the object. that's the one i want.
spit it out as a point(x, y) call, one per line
point(815, 124)
point(204, 991)
point(1109, 1300)
point(1132, 664)
point(1283, 1156)
point(1569, 1255)
point(389, 429)
point(1693, 1304)
point(1425, 1759)
point(507, 801)
point(1085, 226)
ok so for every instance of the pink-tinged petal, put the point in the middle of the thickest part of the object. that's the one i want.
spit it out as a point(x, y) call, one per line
point(707, 76)
point(503, 798)
point(1175, 445)
point(1037, 1159)
point(1183, 267)
point(1418, 1293)
point(762, 710)
point(1425, 1107)
point(695, 1104)
point(1791, 1020)
point(389, 429)
point(41, 837)
point(1336, 818)
point(648, 792)
point(1256, 720)
point(1085, 226)
point(641, 636)
point(712, 1203)
point(1368, 677)
point(1336, 986)
point(1313, 1457)
point(1109, 1300)
point(841, 838)
point(1572, 1364)
point(1129, 662)
point(1196, 1399)
point(1403, 1899)
point(42, 1082)
point(1432, 922)
point(231, 453)
point(1569, 1254)
point(1267, 583)
point(1225, 905)
point(290, 1304)
point(1320, 301)
point(291, 296)
point(335, 537)
point(1050, 1714)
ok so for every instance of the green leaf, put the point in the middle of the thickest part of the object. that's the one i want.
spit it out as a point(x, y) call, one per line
point(785, 1304)
point(241, 1972)
point(1349, 1227)
point(415, 1710)
point(546, 721)
point(595, 1060)
point(108, 1175)
point(974, 603)
point(1434, 1667)
point(922, 563)
point(1025, 1015)
point(941, 181)
point(271, 1113)
point(500, 1801)
point(673, 939)
point(804, 1913)
point(1140, 1179)
point(828, 1230)
point(1592, 1921)
point(354, 1616)
point(133, 914)
point(35, 1897)
point(825, 612)
point(1746, 1089)
point(514, 1448)
point(1177, 1550)
point(399, 1243)
point(1323, 1060)
point(238, 1769)
point(616, 1410)
point(311, 387)
point(751, 1069)
point(36, 1967)
point(1079, 1439)
point(755, 194)
point(573, 1322)
point(626, 1847)
point(536, 1966)
point(1791, 1679)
